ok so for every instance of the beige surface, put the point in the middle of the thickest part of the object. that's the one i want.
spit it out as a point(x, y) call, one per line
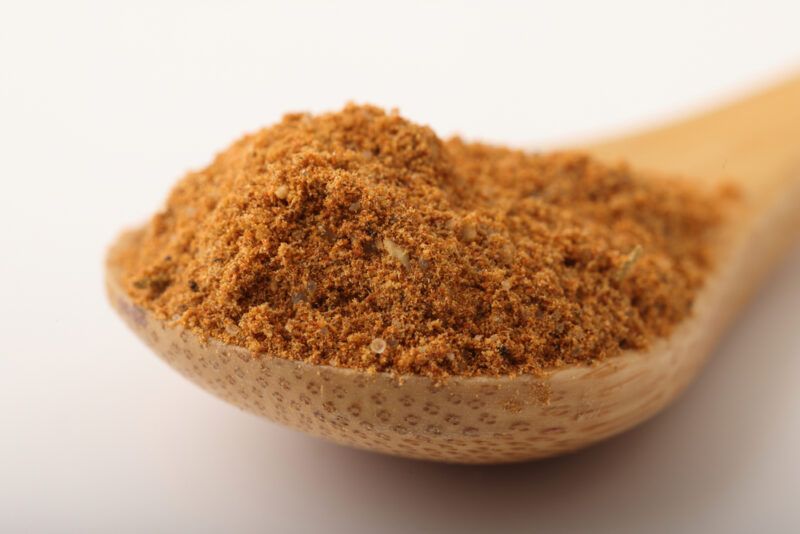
point(486, 420)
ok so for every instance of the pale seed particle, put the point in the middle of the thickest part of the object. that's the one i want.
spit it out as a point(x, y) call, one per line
point(282, 191)
point(378, 345)
point(232, 329)
point(396, 251)
point(469, 232)
point(630, 261)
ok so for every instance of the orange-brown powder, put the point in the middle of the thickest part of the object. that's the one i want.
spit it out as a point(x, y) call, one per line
point(359, 239)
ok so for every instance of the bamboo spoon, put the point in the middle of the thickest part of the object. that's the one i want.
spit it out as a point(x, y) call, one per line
point(755, 143)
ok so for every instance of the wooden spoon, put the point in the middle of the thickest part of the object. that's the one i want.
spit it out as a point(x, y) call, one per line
point(755, 143)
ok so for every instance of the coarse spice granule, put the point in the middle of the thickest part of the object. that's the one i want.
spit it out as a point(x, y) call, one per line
point(358, 239)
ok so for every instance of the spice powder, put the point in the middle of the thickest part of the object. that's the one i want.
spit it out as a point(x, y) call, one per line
point(359, 239)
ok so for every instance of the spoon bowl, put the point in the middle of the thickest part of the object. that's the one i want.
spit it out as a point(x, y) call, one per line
point(508, 419)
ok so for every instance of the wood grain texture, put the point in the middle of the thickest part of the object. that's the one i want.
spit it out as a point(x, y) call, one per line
point(754, 142)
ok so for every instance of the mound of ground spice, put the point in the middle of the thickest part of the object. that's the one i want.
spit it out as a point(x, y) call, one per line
point(359, 239)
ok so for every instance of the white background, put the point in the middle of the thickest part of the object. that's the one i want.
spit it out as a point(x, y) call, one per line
point(103, 107)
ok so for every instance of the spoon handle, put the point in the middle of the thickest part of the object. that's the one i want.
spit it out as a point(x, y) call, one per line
point(754, 142)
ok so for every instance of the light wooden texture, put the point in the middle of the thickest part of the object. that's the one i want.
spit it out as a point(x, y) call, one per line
point(494, 420)
point(754, 142)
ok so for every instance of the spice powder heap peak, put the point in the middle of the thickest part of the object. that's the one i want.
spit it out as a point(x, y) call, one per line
point(359, 239)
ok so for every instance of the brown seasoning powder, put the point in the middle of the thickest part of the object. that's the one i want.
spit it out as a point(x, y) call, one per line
point(358, 239)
